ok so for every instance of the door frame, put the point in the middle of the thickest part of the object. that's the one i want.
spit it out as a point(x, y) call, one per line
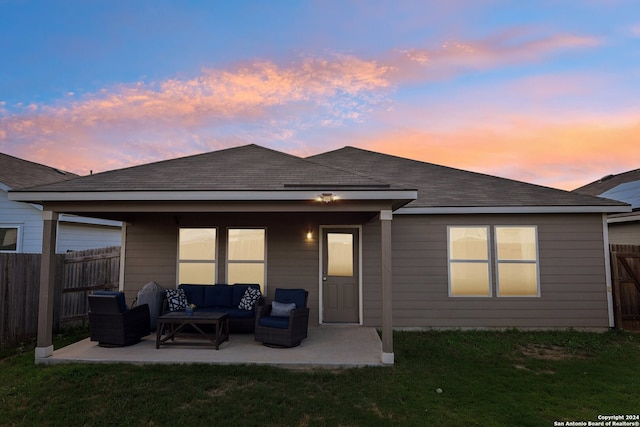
point(320, 272)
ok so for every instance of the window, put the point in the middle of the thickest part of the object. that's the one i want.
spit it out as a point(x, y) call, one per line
point(340, 254)
point(469, 261)
point(197, 256)
point(517, 261)
point(9, 238)
point(516, 255)
point(246, 256)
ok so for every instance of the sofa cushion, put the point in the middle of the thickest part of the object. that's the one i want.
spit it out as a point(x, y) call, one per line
point(296, 296)
point(194, 293)
point(217, 296)
point(279, 309)
point(177, 299)
point(249, 299)
point(274, 322)
point(122, 305)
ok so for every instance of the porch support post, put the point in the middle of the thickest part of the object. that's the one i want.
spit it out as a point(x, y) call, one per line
point(387, 290)
point(44, 347)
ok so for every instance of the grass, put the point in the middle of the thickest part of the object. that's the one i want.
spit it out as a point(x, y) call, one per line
point(485, 378)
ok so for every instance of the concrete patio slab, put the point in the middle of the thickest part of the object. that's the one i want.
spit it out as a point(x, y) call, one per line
point(326, 347)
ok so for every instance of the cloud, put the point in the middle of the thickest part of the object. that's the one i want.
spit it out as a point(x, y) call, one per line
point(259, 101)
point(566, 155)
point(511, 47)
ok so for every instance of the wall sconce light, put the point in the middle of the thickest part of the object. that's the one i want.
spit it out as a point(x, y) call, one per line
point(326, 197)
point(309, 235)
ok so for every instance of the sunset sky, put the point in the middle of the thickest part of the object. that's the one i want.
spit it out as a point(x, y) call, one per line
point(546, 92)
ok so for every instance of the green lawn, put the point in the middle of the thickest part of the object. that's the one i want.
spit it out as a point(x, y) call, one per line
point(450, 378)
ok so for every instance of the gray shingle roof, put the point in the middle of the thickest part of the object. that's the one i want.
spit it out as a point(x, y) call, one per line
point(441, 186)
point(249, 167)
point(18, 173)
point(255, 168)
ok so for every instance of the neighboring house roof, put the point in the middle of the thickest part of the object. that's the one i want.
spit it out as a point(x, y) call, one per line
point(252, 172)
point(17, 173)
point(441, 186)
point(596, 188)
point(629, 192)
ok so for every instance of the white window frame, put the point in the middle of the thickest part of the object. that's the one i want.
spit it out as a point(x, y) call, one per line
point(198, 261)
point(493, 266)
point(18, 227)
point(486, 262)
point(263, 262)
point(498, 261)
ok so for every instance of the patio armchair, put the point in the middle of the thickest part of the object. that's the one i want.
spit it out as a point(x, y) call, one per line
point(284, 322)
point(112, 324)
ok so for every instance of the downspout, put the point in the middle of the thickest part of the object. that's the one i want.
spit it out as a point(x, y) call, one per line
point(607, 269)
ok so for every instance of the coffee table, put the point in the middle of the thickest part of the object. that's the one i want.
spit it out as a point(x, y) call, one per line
point(177, 320)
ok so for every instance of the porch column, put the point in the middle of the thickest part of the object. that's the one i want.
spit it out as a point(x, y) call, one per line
point(44, 347)
point(387, 290)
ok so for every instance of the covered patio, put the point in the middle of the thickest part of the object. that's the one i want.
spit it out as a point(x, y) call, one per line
point(329, 347)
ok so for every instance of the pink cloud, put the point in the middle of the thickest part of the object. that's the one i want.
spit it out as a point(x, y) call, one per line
point(559, 155)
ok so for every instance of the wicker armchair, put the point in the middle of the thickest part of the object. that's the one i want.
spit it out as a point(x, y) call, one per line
point(279, 330)
point(112, 324)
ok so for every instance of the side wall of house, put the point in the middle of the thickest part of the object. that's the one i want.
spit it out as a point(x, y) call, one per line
point(624, 233)
point(27, 218)
point(78, 237)
point(572, 275)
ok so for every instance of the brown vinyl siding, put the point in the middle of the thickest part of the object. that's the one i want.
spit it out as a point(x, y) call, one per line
point(571, 263)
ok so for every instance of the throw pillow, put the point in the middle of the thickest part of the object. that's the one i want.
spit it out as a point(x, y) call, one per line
point(280, 309)
point(249, 299)
point(177, 299)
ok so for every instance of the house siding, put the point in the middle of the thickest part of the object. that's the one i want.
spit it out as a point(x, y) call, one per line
point(79, 237)
point(624, 233)
point(571, 262)
point(572, 275)
point(28, 217)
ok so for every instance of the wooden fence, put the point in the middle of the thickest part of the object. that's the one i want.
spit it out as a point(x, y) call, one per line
point(77, 274)
point(625, 278)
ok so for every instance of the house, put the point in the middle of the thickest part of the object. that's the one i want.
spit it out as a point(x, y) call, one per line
point(21, 224)
point(624, 228)
point(377, 240)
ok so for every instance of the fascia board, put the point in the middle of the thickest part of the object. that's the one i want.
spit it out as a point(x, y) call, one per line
point(275, 195)
point(510, 210)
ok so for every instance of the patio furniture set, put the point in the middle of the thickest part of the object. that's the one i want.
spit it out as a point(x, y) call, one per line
point(219, 310)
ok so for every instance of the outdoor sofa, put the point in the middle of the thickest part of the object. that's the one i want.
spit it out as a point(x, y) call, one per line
point(239, 300)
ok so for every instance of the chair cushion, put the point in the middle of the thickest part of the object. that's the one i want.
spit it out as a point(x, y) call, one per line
point(122, 305)
point(194, 294)
point(279, 309)
point(296, 296)
point(274, 322)
point(249, 299)
point(177, 299)
point(218, 296)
